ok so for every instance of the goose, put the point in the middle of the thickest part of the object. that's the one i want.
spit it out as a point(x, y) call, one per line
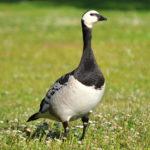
point(78, 92)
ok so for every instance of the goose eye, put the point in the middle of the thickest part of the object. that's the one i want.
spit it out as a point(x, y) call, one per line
point(92, 14)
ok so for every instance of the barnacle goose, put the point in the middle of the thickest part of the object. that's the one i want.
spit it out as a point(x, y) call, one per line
point(76, 93)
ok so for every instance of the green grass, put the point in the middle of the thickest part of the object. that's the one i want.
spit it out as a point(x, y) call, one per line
point(38, 43)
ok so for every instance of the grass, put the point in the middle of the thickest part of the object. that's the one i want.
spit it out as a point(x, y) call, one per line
point(38, 44)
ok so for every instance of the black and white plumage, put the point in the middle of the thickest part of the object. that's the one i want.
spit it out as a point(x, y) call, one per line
point(75, 94)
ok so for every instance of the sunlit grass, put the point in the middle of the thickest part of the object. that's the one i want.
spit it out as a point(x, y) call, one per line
point(38, 44)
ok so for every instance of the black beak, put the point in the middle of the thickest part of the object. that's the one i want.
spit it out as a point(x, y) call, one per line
point(101, 18)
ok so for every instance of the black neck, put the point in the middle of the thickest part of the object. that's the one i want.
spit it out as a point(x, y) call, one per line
point(87, 55)
point(87, 36)
point(88, 72)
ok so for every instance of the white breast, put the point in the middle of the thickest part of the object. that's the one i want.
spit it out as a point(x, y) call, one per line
point(75, 99)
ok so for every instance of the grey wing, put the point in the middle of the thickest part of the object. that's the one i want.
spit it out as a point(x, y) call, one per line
point(62, 81)
point(45, 104)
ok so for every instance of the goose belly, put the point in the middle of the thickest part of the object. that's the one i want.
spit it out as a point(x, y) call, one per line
point(75, 99)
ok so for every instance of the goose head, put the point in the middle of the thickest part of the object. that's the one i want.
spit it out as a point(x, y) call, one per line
point(91, 17)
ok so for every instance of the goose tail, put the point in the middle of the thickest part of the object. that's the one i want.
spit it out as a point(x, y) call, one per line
point(34, 117)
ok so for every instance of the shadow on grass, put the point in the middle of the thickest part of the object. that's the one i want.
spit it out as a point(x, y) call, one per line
point(42, 131)
point(93, 4)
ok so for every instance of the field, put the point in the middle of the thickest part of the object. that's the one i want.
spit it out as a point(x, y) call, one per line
point(41, 41)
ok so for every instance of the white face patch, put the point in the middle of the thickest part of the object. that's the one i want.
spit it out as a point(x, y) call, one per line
point(89, 19)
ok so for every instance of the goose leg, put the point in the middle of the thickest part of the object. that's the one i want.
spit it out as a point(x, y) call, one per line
point(66, 128)
point(85, 121)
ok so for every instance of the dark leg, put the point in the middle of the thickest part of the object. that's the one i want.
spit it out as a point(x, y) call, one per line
point(66, 128)
point(85, 121)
